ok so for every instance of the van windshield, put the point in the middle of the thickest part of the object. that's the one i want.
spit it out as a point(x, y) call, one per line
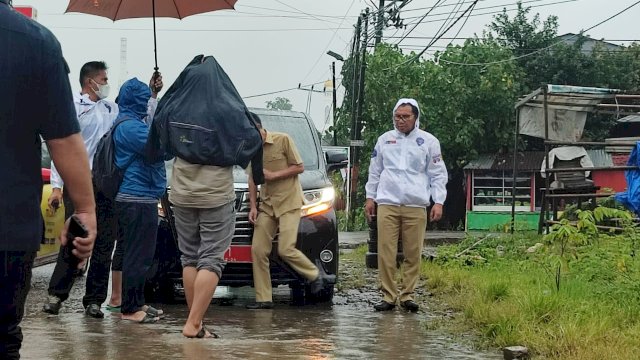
point(300, 132)
point(293, 124)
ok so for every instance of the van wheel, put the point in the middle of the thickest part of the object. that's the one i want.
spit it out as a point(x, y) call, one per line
point(297, 294)
point(325, 295)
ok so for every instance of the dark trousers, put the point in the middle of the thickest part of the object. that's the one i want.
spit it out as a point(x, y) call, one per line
point(138, 226)
point(97, 284)
point(15, 282)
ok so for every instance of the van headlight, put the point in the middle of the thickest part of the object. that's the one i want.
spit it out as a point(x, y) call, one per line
point(317, 201)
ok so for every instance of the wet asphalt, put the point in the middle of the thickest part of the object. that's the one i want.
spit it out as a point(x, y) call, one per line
point(347, 329)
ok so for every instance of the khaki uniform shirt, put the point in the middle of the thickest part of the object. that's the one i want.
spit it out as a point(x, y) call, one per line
point(280, 196)
point(201, 186)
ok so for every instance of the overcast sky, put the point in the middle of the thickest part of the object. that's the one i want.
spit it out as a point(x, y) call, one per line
point(271, 45)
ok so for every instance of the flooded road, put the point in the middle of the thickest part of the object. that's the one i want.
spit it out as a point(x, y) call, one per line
point(348, 331)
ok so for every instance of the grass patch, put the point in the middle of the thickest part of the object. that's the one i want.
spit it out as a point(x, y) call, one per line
point(352, 270)
point(509, 297)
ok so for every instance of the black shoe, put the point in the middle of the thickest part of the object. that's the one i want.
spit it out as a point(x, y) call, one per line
point(94, 311)
point(53, 306)
point(317, 285)
point(322, 280)
point(410, 305)
point(383, 306)
point(258, 305)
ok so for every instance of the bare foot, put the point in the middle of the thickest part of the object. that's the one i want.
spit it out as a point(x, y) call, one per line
point(140, 317)
point(201, 333)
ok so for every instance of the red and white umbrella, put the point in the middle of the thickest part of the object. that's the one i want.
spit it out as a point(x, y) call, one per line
point(131, 9)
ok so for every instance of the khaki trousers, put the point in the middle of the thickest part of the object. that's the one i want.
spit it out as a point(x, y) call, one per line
point(412, 223)
point(263, 234)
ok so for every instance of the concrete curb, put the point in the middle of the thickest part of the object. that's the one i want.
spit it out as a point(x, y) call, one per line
point(353, 239)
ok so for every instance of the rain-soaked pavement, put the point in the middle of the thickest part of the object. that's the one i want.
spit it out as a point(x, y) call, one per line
point(346, 330)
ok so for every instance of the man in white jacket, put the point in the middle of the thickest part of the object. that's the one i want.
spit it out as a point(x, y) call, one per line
point(96, 115)
point(406, 171)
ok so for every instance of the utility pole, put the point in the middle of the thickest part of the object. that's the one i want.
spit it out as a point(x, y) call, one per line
point(394, 16)
point(380, 22)
point(309, 90)
point(333, 82)
point(355, 55)
point(333, 74)
point(359, 101)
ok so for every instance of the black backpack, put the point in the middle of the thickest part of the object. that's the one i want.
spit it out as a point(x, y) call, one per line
point(203, 119)
point(107, 177)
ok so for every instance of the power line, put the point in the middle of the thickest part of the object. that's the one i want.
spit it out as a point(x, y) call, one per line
point(453, 13)
point(294, 12)
point(329, 43)
point(545, 48)
point(491, 13)
point(497, 38)
point(469, 2)
point(284, 90)
point(465, 20)
point(419, 21)
point(470, 8)
point(476, 13)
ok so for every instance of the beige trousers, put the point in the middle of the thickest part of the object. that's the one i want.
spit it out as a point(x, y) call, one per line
point(263, 234)
point(412, 223)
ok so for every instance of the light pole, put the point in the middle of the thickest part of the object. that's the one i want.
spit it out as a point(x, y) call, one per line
point(333, 74)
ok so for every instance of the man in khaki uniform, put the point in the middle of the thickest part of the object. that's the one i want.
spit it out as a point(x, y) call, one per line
point(281, 201)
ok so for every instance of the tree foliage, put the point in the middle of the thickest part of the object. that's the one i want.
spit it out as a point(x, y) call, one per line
point(469, 108)
point(280, 103)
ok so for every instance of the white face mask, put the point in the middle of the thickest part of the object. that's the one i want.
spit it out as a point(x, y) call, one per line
point(103, 90)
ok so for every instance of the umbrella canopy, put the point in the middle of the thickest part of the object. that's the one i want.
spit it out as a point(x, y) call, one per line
point(131, 9)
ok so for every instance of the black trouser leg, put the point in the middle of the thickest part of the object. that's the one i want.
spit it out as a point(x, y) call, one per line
point(63, 274)
point(138, 224)
point(97, 284)
point(116, 262)
point(15, 282)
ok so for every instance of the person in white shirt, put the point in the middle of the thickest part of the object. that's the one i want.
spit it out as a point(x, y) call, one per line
point(406, 171)
point(96, 115)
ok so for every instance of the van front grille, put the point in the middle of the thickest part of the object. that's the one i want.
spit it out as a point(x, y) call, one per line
point(244, 230)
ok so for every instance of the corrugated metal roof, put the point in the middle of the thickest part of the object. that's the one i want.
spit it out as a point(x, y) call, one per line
point(629, 119)
point(530, 160)
point(600, 158)
point(484, 161)
point(527, 161)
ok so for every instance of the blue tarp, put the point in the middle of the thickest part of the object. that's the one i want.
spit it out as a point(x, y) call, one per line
point(631, 197)
point(567, 89)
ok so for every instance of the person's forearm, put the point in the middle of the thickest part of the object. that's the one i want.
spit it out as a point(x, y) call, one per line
point(292, 170)
point(253, 193)
point(70, 157)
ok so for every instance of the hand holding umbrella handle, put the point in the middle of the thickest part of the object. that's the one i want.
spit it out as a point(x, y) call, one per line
point(155, 84)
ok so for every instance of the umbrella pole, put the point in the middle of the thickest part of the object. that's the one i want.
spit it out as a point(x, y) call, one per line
point(155, 45)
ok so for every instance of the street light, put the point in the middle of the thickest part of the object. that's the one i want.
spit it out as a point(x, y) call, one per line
point(333, 73)
point(335, 55)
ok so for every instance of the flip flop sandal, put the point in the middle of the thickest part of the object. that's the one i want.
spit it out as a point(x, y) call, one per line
point(113, 308)
point(153, 311)
point(148, 319)
point(202, 334)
